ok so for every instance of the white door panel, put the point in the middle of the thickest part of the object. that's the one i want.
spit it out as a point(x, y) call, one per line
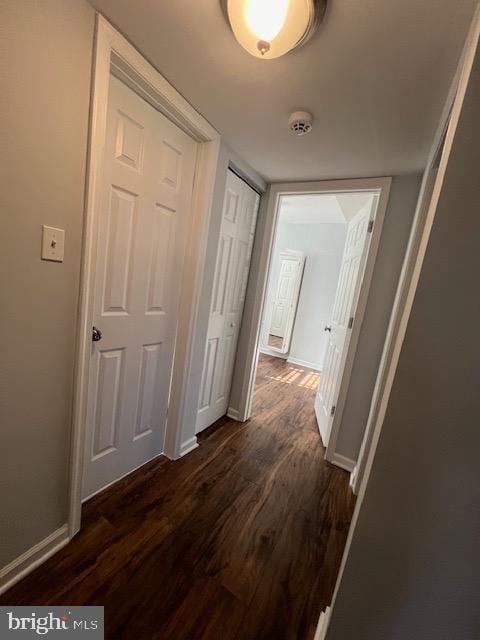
point(147, 178)
point(230, 282)
point(349, 282)
point(282, 297)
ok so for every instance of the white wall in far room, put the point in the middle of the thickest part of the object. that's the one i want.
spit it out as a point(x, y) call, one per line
point(322, 244)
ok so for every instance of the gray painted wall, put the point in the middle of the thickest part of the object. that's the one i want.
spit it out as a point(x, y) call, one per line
point(414, 566)
point(393, 244)
point(46, 50)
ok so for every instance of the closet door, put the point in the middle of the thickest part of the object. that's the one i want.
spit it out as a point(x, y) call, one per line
point(239, 216)
point(285, 302)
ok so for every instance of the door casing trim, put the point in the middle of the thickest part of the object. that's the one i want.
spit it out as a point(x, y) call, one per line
point(113, 54)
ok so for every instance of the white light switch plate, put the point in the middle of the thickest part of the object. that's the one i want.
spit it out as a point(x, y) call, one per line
point(53, 243)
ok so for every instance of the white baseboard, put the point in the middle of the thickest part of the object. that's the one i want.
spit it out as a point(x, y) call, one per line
point(342, 461)
point(232, 413)
point(322, 624)
point(34, 557)
point(187, 446)
point(305, 363)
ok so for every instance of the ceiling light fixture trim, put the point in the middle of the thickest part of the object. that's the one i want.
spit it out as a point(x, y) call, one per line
point(269, 29)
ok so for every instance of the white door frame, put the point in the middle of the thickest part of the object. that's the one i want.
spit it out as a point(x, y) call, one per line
point(422, 225)
point(114, 54)
point(275, 193)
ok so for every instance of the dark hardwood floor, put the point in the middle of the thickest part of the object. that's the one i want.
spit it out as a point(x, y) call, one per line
point(239, 540)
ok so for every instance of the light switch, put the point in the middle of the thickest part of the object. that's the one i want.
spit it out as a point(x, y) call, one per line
point(53, 244)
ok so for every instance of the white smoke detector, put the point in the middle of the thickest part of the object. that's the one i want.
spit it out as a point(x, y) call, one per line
point(301, 122)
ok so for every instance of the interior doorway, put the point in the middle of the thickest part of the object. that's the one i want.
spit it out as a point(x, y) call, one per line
point(316, 280)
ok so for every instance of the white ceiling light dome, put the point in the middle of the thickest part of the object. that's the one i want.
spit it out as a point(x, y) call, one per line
point(271, 28)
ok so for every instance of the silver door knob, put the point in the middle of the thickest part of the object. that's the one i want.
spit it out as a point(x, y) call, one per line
point(96, 334)
point(328, 328)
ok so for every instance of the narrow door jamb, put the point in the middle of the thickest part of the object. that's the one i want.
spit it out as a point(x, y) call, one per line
point(114, 54)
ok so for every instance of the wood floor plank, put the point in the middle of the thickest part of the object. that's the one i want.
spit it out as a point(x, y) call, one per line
point(239, 540)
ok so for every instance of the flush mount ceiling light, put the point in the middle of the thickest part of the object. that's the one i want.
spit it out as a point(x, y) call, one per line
point(271, 28)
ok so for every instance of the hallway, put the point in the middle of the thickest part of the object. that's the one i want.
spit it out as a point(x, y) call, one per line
point(239, 540)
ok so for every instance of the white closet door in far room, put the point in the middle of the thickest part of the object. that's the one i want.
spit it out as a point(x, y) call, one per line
point(285, 301)
point(239, 216)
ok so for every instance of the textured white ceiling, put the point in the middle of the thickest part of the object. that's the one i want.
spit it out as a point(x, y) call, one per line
point(322, 208)
point(375, 77)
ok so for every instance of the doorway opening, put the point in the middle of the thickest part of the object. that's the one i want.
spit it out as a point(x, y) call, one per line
point(317, 280)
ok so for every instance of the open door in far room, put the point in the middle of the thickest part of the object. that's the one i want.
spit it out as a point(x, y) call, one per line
point(343, 315)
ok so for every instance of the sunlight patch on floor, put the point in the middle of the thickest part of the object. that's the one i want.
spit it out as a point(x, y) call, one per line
point(307, 379)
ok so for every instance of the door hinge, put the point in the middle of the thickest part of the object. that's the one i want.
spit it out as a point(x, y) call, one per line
point(350, 323)
point(370, 226)
point(333, 410)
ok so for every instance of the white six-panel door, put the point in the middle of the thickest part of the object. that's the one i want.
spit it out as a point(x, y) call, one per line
point(287, 290)
point(239, 216)
point(349, 282)
point(147, 182)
